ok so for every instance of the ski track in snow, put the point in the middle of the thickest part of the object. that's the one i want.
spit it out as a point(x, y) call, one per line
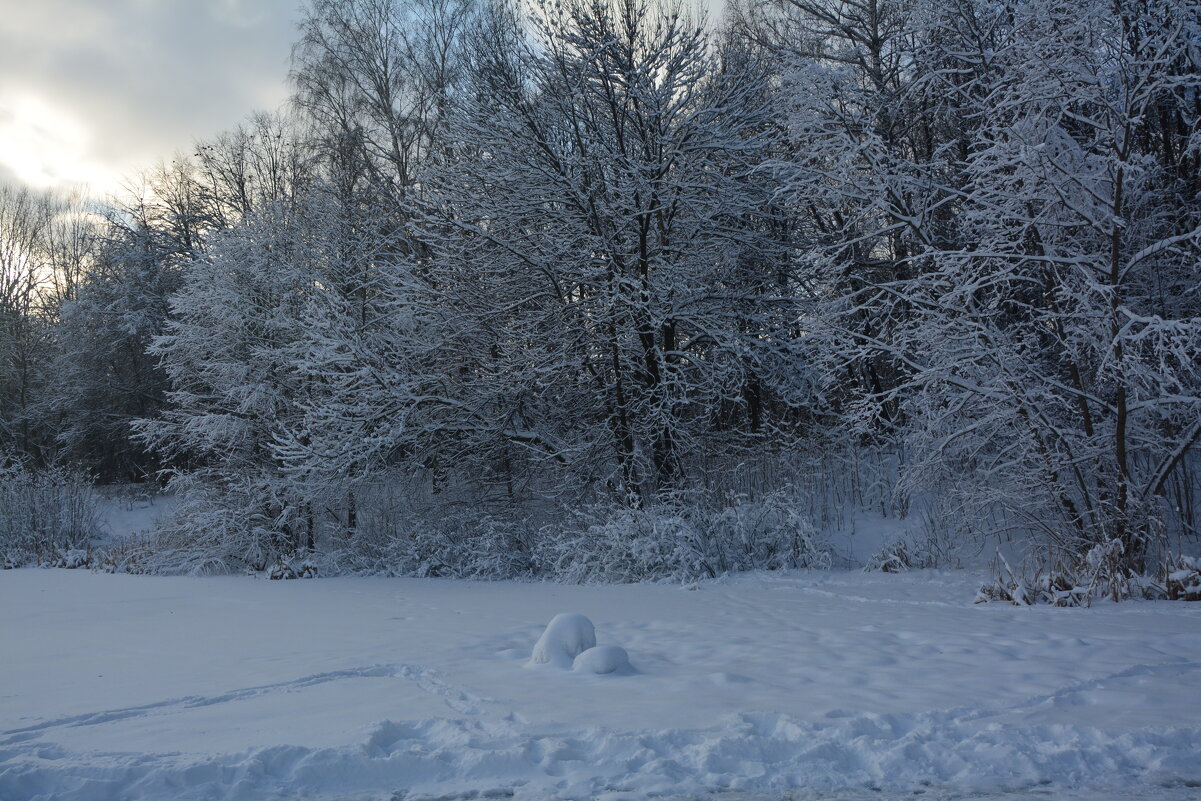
point(458, 700)
point(1008, 747)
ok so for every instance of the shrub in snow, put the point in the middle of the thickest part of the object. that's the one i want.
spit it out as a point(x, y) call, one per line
point(72, 558)
point(618, 544)
point(293, 566)
point(226, 526)
point(771, 532)
point(566, 637)
point(250, 525)
point(603, 659)
point(1057, 582)
point(925, 549)
point(127, 555)
point(1182, 578)
point(440, 544)
point(1098, 573)
point(892, 558)
point(680, 539)
point(43, 512)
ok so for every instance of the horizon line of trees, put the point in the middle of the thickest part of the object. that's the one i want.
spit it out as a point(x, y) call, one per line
point(527, 257)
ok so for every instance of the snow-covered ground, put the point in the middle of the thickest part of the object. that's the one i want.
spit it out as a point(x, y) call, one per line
point(808, 685)
point(130, 510)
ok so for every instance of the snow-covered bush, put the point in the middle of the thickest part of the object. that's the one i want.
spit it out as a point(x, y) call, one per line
point(130, 554)
point(69, 558)
point(1182, 578)
point(228, 528)
point(463, 546)
point(680, 541)
point(1055, 584)
point(293, 566)
point(939, 542)
point(894, 557)
point(617, 544)
point(45, 512)
point(432, 542)
point(683, 538)
point(768, 533)
point(1098, 573)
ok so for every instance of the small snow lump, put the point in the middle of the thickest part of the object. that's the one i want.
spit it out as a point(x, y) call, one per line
point(566, 636)
point(602, 659)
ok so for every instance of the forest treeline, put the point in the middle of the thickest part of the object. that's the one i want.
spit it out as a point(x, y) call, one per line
point(606, 290)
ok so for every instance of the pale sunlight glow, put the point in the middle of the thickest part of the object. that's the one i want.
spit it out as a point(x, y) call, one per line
point(45, 146)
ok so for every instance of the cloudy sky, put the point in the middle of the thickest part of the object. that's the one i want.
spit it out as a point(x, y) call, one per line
point(92, 91)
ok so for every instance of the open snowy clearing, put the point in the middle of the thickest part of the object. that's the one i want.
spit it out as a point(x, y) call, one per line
point(809, 686)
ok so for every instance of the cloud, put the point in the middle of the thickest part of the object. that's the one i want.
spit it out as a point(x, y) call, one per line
point(91, 91)
point(238, 13)
point(41, 145)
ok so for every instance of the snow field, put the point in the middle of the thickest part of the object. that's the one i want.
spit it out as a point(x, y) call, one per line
point(804, 685)
point(126, 511)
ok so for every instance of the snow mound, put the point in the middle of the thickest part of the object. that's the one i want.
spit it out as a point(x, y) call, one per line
point(566, 637)
point(603, 659)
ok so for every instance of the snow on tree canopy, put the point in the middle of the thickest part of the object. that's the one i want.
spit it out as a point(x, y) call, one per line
point(566, 637)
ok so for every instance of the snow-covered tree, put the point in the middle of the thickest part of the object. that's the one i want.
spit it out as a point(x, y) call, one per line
point(103, 378)
point(375, 79)
point(1046, 336)
point(605, 236)
point(47, 243)
point(236, 319)
point(25, 219)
